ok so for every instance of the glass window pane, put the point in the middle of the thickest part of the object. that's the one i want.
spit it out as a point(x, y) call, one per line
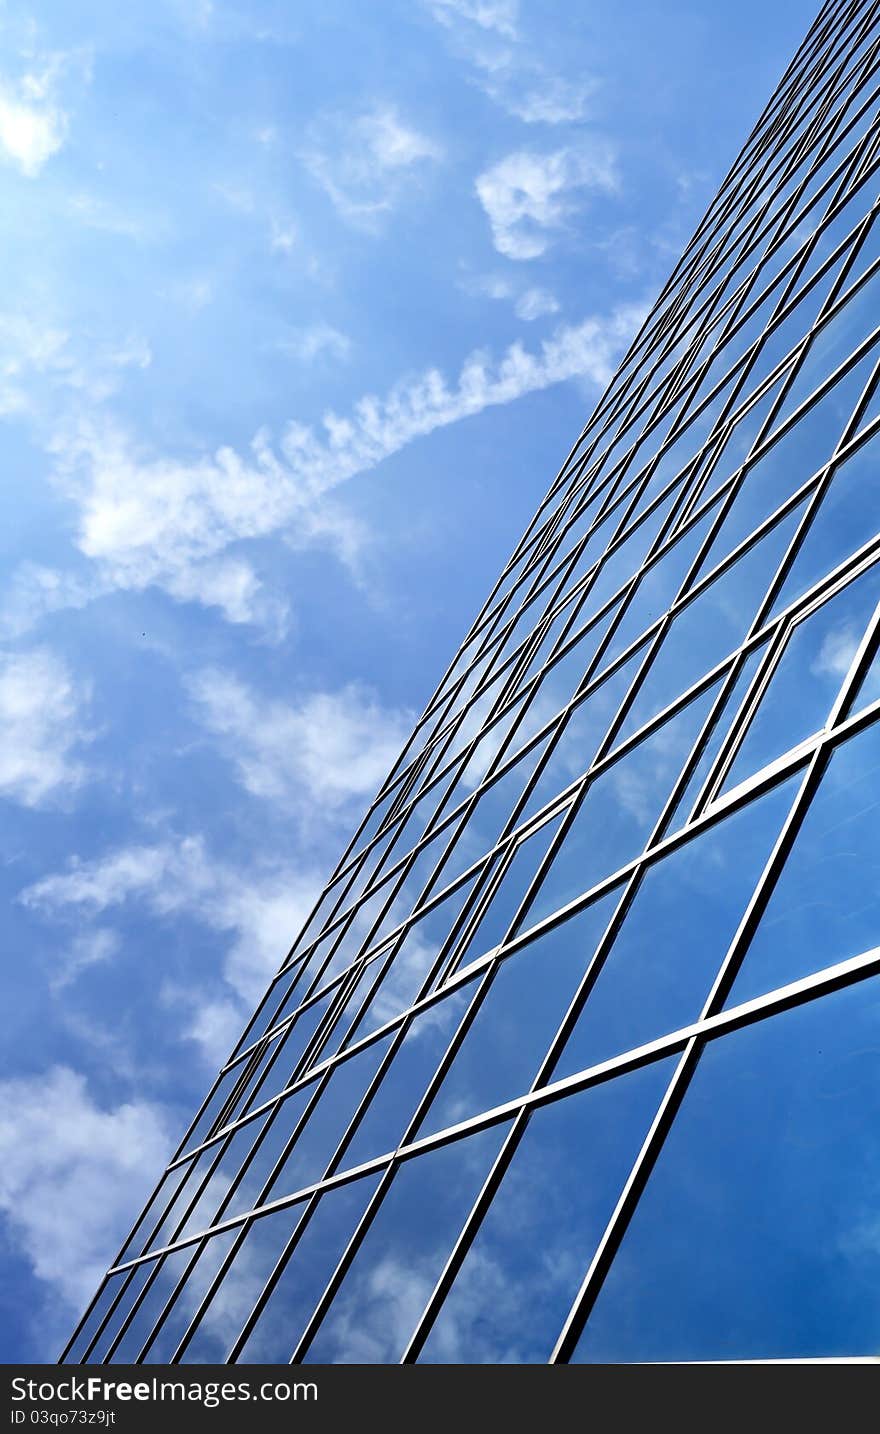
point(582, 731)
point(848, 516)
point(158, 1292)
point(302, 1282)
point(711, 626)
point(102, 1304)
point(506, 900)
point(510, 1299)
point(807, 679)
point(290, 1053)
point(241, 1287)
point(740, 440)
point(793, 458)
point(756, 1235)
point(518, 1018)
point(266, 1152)
point(212, 1198)
point(138, 1280)
point(619, 811)
point(406, 1078)
point(169, 1187)
point(835, 341)
point(412, 961)
point(658, 588)
point(394, 1271)
point(825, 906)
point(675, 935)
point(206, 1261)
point(328, 1120)
point(714, 738)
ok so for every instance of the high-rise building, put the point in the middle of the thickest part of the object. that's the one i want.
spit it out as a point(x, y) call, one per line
point(578, 1056)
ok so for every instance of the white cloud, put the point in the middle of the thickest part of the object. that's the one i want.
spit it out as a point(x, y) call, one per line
point(311, 342)
point(30, 133)
point(364, 163)
point(373, 1316)
point(527, 196)
point(552, 99)
point(535, 303)
point(489, 286)
point(71, 1174)
point(282, 237)
point(41, 707)
point(507, 65)
point(94, 212)
point(261, 910)
point(35, 352)
point(194, 293)
point(330, 748)
point(89, 948)
point(837, 651)
point(528, 304)
point(153, 520)
point(498, 15)
point(34, 120)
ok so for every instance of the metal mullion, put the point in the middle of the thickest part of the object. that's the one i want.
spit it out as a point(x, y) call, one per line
point(128, 1318)
point(210, 1292)
point(343, 984)
point(465, 1238)
point(646, 1159)
point(275, 1274)
point(343, 1265)
point(803, 528)
point(778, 999)
point(741, 719)
point(169, 1303)
point(101, 1329)
point(720, 989)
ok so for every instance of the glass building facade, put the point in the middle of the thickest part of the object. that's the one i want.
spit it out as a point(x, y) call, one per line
point(578, 1057)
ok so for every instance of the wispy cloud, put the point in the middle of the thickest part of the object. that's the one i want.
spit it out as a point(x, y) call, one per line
point(549, 99)
point(505, 62)
point(258, 909)
point(536, 304)
point(145, 519)
point(528, 303)
point(500, 16)
point(41, 726)
point(364, 162)
point(528, 199)
point(88, 948)
point(324, 751)
point(33, 123)
point(315, 340)
point(71, 1173)
point(837, 651)
point(35, 353)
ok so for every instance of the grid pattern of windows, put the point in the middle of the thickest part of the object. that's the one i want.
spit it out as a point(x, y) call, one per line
point(575, 1058)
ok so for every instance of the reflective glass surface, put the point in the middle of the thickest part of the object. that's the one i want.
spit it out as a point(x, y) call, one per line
point(675, 934)
point(283, 1319)
point(619, 811)
point(756, 1236)
point(403, 1253)
point(825, 907)
point(520, 1012)
point(714, 801)
point(512, 1294)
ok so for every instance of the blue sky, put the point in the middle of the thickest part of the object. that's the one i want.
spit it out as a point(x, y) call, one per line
point(303, 307)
